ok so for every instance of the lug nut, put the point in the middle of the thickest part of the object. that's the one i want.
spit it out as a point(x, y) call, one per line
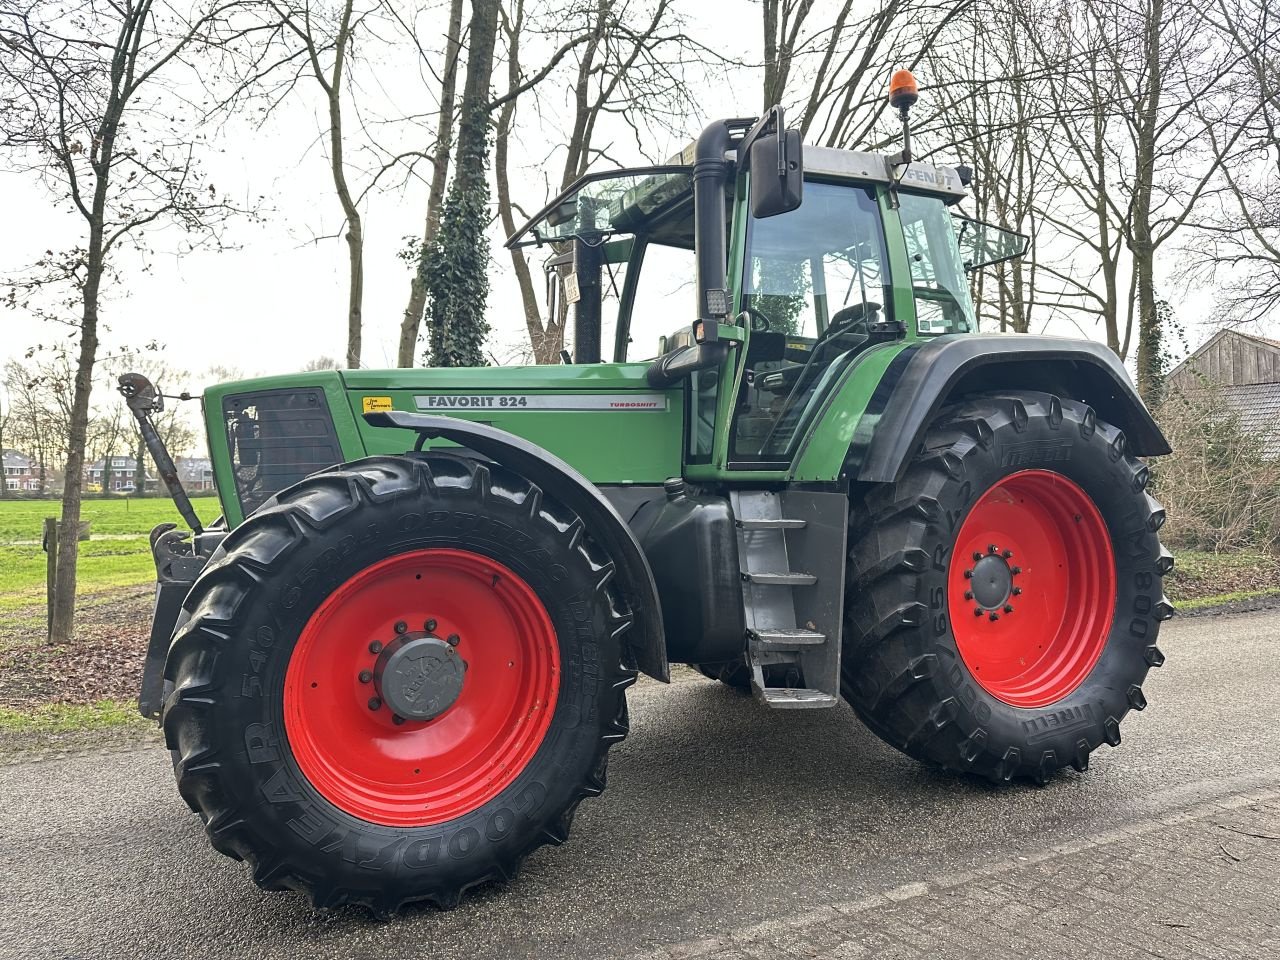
point(1016, 571)
point(992, 548)
point(968, 594)
point(453, 640)
point(995, 617)
point(375, 647)
point(1008, 608)
point(397, 719)
point(365, 676)
point(1007, 554)
point(401, 626)
point(968, 574)
point(374, 703)
point(430, 625)
point(977, 611)
point(1017, 591)
point(977, 555)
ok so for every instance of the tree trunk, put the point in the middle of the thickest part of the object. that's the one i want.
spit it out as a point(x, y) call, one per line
point(546, 341)
point(411, 322)
point(62, 621)
point(4, 477)
point(1149, 365)
point(457, 284)
point(355, 230)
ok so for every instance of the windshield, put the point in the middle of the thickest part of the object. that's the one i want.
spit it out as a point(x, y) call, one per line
point(937, 272)
point(602, 204)
point(814, 279)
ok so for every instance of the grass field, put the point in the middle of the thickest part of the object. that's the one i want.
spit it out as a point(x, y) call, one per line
point(121, 558)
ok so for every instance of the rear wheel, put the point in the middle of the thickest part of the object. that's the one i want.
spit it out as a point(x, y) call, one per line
point(1005, 595)
point(397, 679)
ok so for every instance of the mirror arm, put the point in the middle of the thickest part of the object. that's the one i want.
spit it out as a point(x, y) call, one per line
point(671, 368)
point(773, 120)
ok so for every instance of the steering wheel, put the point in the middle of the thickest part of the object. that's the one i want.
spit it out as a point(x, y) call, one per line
point(847, 316)
point(759, 322)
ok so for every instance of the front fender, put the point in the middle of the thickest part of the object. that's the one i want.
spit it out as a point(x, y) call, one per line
point(921, 379)
point(645, 641)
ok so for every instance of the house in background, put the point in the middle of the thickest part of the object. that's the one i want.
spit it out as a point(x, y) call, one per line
point(1246, 370)
point(196, 473)
point(20, 471)
point(121, 474)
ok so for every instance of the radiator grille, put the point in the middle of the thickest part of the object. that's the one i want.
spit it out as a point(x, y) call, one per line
point(277, 437)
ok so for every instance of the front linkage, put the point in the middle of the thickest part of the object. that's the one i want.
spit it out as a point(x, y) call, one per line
point(178, 558)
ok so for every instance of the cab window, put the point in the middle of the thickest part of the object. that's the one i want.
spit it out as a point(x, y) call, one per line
point(938, 281)
point(813, 281)
point(663, 296)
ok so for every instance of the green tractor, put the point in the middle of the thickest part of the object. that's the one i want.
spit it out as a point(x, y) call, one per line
point(396, 665)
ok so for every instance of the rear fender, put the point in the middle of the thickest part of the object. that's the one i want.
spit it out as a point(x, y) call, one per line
point(922, 379)
point(645, 640)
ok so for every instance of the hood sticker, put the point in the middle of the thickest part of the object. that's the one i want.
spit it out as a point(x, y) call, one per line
point(543, 401)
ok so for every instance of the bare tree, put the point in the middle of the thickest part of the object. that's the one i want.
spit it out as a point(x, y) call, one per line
point(990, 114)
point(455, 269)
point(31, 420)
point(623, 59)
point(6, 417)
point(441, 152)
point(87, 110)
point(1142, 134)
point(1236, 244)
point(833, 60)
point(325, 39)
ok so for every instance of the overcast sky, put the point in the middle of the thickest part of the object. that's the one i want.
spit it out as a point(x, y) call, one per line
point(278, 299)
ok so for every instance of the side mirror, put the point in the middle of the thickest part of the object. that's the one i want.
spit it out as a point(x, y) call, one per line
point(777, 173)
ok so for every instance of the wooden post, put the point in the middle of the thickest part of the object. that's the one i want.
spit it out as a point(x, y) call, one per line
point(51, 567)
point(50, 543)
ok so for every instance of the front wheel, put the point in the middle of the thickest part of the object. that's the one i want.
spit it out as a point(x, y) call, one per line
point(1005, 596)
point(396, 679)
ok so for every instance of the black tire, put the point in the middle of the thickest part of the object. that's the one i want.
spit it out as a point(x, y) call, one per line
point(901, 668)
point(244, 614)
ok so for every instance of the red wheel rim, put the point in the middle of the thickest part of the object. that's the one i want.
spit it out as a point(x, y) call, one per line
point(1043, 638)
point(421, 772)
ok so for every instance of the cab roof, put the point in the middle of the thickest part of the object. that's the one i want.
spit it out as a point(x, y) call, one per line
point(658, 200)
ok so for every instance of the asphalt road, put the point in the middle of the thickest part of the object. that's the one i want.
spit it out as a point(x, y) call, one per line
point(720, 815)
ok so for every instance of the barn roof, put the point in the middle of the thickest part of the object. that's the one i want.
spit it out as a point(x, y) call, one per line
point(1228, 358)
point(1258, 407)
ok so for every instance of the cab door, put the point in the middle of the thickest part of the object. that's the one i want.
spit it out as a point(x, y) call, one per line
point(812, 290)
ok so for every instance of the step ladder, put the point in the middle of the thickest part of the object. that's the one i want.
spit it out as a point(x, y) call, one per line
point(791, 551)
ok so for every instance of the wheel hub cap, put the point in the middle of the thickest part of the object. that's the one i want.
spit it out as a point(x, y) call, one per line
point(419, 677)
point(992, 582)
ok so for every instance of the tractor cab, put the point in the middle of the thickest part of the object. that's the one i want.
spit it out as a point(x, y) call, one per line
point(797, 276)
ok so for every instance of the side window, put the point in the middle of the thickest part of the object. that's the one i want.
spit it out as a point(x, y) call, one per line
point(664, 300)
point(937, 275)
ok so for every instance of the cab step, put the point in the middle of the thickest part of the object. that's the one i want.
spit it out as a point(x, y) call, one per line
point(796, 698)
point(785, 578)
point(772, 523)
point(774, 637)
point(791, 555)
